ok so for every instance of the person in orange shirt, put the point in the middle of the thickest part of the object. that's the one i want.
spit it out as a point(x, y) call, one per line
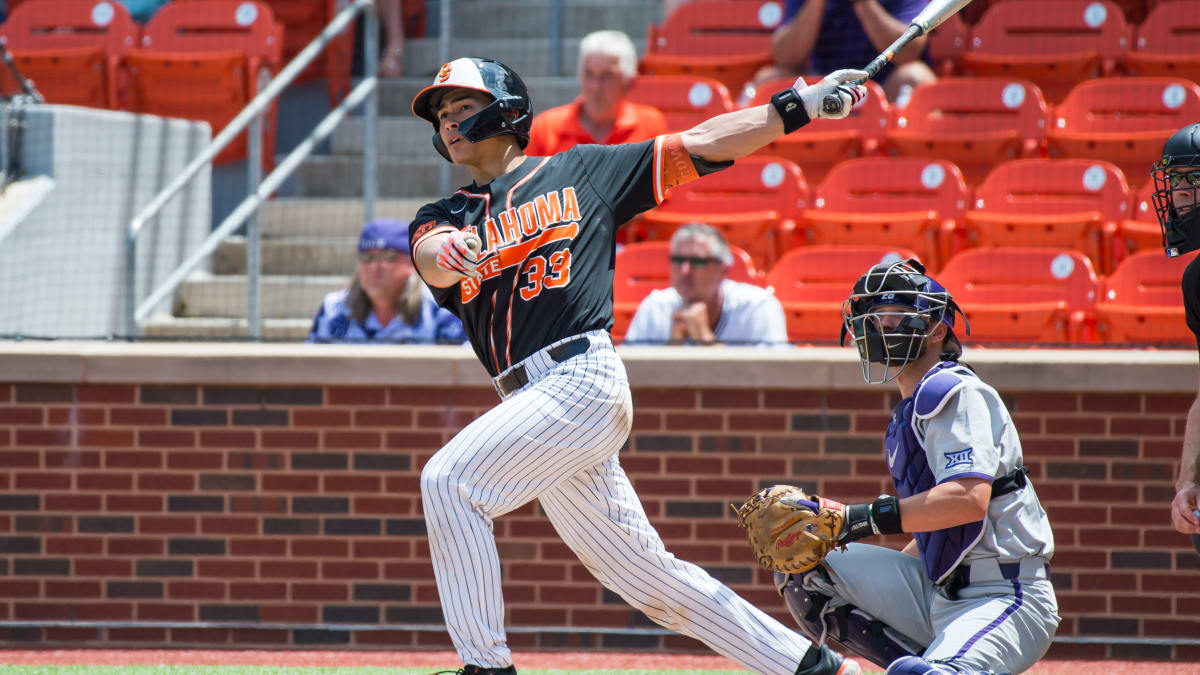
point(607, 66)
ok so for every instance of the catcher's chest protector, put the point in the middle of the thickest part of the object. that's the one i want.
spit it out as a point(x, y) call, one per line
point(908, 462)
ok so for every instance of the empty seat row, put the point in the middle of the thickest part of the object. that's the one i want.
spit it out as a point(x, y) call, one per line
point(1055, 44)
point(1012, 295)
point(975, 122)
point(765, 206)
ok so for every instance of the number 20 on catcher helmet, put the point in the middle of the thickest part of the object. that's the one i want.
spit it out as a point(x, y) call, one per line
point(1179, 172)
point(890, 315)
point(490, 77)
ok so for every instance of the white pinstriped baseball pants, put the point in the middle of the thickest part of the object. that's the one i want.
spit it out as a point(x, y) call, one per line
point(556, 440)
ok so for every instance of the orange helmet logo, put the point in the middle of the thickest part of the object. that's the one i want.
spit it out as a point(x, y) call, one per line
point(444, 73)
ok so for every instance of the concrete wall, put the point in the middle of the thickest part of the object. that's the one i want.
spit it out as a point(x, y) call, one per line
point(62, 241)
point(270, 492)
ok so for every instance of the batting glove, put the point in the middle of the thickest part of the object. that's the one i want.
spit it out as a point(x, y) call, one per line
point(834, 84)
point(460, 254)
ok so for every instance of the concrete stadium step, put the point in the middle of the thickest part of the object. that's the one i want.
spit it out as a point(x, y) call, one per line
point(293, 255)
point(532, 18)
point(190, 328)
point(328, 216)
point(396, 95)
point(283, 297)
point(341, 176)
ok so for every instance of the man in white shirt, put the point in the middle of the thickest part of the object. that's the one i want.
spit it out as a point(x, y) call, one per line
point(702, 306)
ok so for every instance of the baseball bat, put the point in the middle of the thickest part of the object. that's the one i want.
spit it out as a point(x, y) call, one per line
point(934, 14)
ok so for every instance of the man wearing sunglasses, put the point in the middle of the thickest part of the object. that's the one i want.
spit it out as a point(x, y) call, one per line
point(702, 305)
point(1176, 196)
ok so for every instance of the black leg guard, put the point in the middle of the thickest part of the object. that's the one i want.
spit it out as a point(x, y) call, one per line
point(820, 619)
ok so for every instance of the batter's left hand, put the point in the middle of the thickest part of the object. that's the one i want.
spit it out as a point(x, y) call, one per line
point(834, 84)
point(1183, 507)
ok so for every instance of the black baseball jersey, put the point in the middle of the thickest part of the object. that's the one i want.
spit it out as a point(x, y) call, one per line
point(549, 241)
point(1191, 297)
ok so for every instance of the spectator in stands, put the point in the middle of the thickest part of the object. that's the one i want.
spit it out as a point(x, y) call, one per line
point(702, 306)
point(601, 114)
point(142, 10)
point(823, 35)
point(386, 301)
point(391, 15)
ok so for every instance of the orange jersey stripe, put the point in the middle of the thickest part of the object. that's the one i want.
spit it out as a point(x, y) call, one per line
point(672, 165)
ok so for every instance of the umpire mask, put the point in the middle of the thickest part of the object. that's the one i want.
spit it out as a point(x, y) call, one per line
point(890, 316)
point(1176, 191)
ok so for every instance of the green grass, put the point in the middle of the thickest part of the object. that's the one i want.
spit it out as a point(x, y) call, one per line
point(264, 670)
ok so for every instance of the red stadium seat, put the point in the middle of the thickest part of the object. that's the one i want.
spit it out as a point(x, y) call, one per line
point(1139, 233)
point(974, 122)
point(946, 45)
point(1054, 44)
point(70, 49)
point(1059, 203)
point(685, 100)
point(1142, 301)
point(303, 20)
point(1165, 43)
point(1124, 120)
point(811, 282)
point(755, 203)
point(646, 266)
point(893, 201)
point(221, 54)
point(1024, 295)
point(820, 144)
point(727, 41)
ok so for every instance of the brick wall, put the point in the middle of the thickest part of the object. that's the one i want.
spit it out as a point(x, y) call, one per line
point(260, 512)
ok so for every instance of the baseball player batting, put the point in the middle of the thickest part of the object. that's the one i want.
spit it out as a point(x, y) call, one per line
point(971, 593)
point(536, 302)
point(1177, 203)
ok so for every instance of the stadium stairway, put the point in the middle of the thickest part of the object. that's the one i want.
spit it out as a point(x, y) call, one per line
point(309, 234)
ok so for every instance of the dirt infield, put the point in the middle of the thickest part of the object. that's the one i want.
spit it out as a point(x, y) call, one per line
point(564, 661)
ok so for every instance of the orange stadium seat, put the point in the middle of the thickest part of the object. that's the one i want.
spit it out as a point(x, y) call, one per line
point(756, 204)
point(1053, 44)
point(727, 41)
point(685, 100)
point(974, 122)
point(303, 20)
point(1059, 203)
point(1024, 295)
point(893, 201)
point(1140, 232)
point(811, 283)
point(1142, 301)
point(1124, 120)
point(207, 60)
point(646, 266)
point(946, 44)
point(70, 49)
point(1165, 43)
point(820, 144)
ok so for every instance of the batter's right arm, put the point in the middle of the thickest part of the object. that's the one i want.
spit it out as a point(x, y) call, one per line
point(1188, 484)
point(447, 257)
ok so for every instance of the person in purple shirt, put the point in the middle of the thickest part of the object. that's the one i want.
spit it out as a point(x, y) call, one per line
point(817, 36)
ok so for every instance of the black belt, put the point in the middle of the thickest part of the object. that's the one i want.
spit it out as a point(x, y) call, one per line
point(517, 377)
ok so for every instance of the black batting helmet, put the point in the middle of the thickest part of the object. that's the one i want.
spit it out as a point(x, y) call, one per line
point(493, 78)
point(1180, 227)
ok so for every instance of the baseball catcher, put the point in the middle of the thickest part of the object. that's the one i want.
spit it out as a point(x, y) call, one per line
point(971, 592)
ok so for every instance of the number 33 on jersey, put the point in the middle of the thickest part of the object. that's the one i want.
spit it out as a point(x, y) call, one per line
point(549, 241)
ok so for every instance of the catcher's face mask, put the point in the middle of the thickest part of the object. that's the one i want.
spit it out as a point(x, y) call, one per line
point(890, 316)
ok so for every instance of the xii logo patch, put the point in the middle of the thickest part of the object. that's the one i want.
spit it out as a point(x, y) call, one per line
point(959, 458)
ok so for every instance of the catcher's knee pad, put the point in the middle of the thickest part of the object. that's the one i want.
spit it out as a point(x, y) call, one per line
point(820, 618)
point(915, 665)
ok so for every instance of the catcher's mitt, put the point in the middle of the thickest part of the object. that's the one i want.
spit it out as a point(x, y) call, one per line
point(789, 530)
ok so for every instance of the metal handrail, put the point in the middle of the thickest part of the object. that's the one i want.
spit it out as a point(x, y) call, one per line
point(251, 112)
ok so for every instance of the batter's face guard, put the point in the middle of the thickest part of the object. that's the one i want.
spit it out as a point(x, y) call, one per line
point(1177, 191)
point(496, 80)
point(894, 309)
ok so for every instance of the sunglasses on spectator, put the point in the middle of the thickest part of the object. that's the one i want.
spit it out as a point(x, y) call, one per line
point(679, 260)
point(1192, 178)
point(379, 255)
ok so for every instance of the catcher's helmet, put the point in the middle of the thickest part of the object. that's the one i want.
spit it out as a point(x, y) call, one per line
point(493, 78)
point(894, 343)
point(1181, 230)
